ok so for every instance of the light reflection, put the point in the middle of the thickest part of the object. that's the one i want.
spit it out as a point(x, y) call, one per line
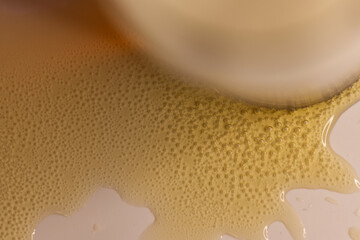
point(266, 233)
point(304, 233)
point(282, 196)
point(33, 235)
point(357, 183)
point(325, 131)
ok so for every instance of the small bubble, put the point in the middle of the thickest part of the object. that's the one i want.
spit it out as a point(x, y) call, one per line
point(268, 129)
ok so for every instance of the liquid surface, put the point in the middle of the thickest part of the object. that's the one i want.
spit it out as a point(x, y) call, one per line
point(79, 109)
point(354, 233)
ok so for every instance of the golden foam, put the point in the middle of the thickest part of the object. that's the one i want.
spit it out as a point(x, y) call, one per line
point(82, 111)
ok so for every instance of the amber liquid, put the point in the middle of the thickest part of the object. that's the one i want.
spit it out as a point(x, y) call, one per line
point(80, 109)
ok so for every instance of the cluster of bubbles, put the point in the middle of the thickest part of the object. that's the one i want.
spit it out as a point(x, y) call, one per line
point(99, 114)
